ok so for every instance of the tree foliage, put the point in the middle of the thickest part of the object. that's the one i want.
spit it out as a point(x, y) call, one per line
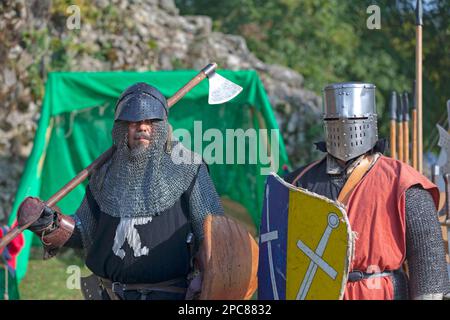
point(328, 41)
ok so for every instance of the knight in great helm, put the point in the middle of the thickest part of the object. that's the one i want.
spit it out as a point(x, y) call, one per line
point(141, 220)
point(392, 208)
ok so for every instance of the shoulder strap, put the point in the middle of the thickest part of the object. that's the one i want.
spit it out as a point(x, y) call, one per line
point(356, 176)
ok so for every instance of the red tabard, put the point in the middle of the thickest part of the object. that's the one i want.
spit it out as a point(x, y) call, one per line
point(376, 211)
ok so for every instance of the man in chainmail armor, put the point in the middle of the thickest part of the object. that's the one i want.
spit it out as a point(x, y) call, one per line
point(392, 209)
point(141, 220)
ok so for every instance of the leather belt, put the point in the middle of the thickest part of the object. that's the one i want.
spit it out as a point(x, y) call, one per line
point(115, 289)
point(357, 275)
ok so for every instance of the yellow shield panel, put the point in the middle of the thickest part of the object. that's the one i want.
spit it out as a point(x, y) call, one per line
point(319, 247)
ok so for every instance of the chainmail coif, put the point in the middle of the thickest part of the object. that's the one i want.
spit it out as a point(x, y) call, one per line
point(142, 181)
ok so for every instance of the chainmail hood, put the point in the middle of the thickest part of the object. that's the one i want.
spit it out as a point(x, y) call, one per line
point(143, 181)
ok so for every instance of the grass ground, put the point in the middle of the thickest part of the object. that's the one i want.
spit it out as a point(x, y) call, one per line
point(47, 280)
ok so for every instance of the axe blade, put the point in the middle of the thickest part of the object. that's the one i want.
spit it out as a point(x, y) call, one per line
point(221, 89)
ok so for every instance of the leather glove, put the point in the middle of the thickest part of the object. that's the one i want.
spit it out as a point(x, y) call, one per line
point(35, 209)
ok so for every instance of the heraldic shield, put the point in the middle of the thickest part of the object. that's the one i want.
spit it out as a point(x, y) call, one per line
point(305, 245)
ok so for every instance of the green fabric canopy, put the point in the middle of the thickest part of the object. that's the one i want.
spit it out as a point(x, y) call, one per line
point(77, 118)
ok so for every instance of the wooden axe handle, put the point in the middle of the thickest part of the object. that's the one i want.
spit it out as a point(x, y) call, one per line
point(206, 71)
point(12, 234)
point(79, 178)
point(186, 88)
point(72, 184)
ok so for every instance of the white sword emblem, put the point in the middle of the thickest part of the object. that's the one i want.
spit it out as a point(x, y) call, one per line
point(268, 237)
point(316, 257)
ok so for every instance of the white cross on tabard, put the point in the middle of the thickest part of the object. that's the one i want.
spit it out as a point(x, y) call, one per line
point(126, 231)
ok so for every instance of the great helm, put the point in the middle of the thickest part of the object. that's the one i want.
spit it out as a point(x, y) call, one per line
point(141, 102)
point(350, 119)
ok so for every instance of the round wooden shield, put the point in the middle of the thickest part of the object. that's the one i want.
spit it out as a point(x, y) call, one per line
point(230, 259)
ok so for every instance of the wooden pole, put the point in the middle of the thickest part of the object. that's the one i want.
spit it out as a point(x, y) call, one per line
point(415, 155)
point(393, 117)
point(419, 24)
point(393, 139)
point(405, 127)
point(72, 184)
point(400, 140)
point(406, 142)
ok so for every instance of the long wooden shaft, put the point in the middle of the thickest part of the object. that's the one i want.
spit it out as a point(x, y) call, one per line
point(419, 98)
point(79, 178)
point(205, 72)
point(12, 234)
point(72, 184)
point(406, 141)
point(393, 123)
point(393, 139)
point(414, 139)
point(186, 88)
point(400, 141)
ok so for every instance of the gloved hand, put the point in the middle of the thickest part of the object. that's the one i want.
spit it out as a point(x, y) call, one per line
point(34, 209)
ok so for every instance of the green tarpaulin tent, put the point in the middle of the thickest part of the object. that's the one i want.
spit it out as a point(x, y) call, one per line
point(77, 118)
